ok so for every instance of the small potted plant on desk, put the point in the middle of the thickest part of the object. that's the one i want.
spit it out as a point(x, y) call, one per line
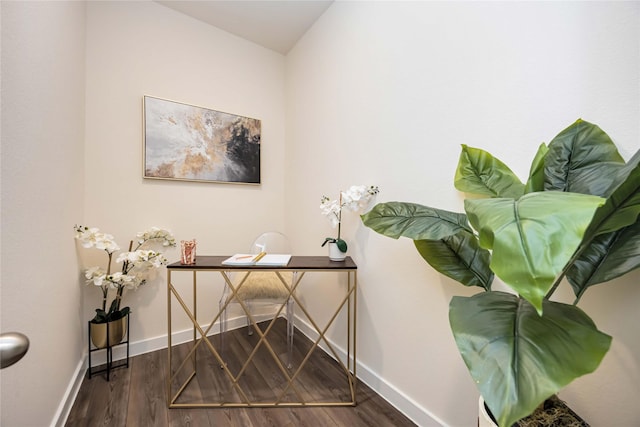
point(576, 217)
point(356, 198)
point(137, 264)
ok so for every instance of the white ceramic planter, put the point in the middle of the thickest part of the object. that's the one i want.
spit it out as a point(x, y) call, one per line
point(335, 254)
point(484, 420)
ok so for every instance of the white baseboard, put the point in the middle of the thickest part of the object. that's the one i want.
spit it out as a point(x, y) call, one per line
point(119, 353)
point(158, 343)
point(61, 415)
point(386, 390)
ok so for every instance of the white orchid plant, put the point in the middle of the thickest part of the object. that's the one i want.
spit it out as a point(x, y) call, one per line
point(137, 264)
point(357, 199)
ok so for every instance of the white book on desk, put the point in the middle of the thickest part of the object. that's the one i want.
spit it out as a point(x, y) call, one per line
point(266, 260)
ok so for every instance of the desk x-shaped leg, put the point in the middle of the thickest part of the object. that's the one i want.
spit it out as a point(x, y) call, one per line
point(349, 300)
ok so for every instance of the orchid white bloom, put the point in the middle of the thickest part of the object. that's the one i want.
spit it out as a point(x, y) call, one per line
point(95, 275)
point(157, 233)
point(88, 236)
point(127, 256)
point(106, 242)
point(331, 209)
point(98, 280)
point(157, 260)
point(136, 265)
point(356, 198)
point(92, 272)
point(92, 237)
point(119, 280)
point(141, 257)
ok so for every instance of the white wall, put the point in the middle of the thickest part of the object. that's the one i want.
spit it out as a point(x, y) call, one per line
point(143, 48)
point(376, 92)
point(42, 193)
point(384, 93)
point(59, 169)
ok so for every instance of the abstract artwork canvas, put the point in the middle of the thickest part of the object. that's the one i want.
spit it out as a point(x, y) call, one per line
point(189, 143)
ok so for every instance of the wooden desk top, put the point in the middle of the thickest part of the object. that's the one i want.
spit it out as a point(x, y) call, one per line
point(297, 263)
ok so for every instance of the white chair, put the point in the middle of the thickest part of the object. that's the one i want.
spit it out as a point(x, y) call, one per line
point(262, 288)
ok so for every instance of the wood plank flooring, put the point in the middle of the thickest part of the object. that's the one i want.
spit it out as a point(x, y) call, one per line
point(137, 396)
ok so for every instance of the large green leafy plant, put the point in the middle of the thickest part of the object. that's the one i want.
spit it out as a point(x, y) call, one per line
point(576, 217)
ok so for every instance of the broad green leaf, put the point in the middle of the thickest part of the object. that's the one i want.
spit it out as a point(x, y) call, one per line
point(444, 239)
point(536, 173)
point(610, 246)
point(459, 257)
point(622, 207)
point(416, 222)
point(582, 159)
point(608, 256)
point(480, 173)
point(518, 358)
point(532, 238)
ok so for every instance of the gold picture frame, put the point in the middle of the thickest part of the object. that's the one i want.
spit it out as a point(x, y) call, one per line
point(189, 143)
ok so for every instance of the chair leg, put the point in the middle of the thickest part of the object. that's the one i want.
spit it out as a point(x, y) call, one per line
point(290, 329)
point(249, 328)
point(223, 329)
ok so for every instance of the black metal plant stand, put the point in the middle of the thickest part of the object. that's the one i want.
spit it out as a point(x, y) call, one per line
point(109, 349)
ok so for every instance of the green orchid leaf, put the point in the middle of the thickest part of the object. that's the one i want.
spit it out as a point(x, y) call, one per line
point(607, 257)
point(459, 257)
point(536, 173)
point(582, 159)
point(532, 238)
point(480, 173)
point(518, 358)
point(328, 240)
point(118, 314)
point(342, 245)
point(414, 221)
point(100, 317)
point(114, 306)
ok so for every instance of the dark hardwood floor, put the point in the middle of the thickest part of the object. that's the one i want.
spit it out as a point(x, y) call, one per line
point(137, 396)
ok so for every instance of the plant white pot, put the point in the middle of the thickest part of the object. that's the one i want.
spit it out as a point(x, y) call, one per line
point(335, 254)
point(484, 419)
point(554, 411)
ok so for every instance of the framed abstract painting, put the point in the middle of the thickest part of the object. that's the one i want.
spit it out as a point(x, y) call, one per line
point(190, 143)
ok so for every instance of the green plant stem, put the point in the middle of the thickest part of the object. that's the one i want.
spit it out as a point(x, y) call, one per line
point(109, 264)
point(555, 284)
point(105, 288)
point(339, 214)
point(125, 270)
point(119, 298)
point(105, 292)
point(564, 271)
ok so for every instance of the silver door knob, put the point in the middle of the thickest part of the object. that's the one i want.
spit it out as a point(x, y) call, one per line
point(13, 345)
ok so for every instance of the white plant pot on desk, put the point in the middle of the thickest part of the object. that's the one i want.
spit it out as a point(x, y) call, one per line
point(335, 254)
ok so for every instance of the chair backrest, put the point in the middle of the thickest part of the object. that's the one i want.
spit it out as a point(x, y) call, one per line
point(271, 242)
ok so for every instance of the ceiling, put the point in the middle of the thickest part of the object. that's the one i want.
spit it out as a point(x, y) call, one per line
point(274, 24)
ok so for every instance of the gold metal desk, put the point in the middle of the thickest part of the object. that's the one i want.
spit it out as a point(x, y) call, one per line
point(206, 380)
